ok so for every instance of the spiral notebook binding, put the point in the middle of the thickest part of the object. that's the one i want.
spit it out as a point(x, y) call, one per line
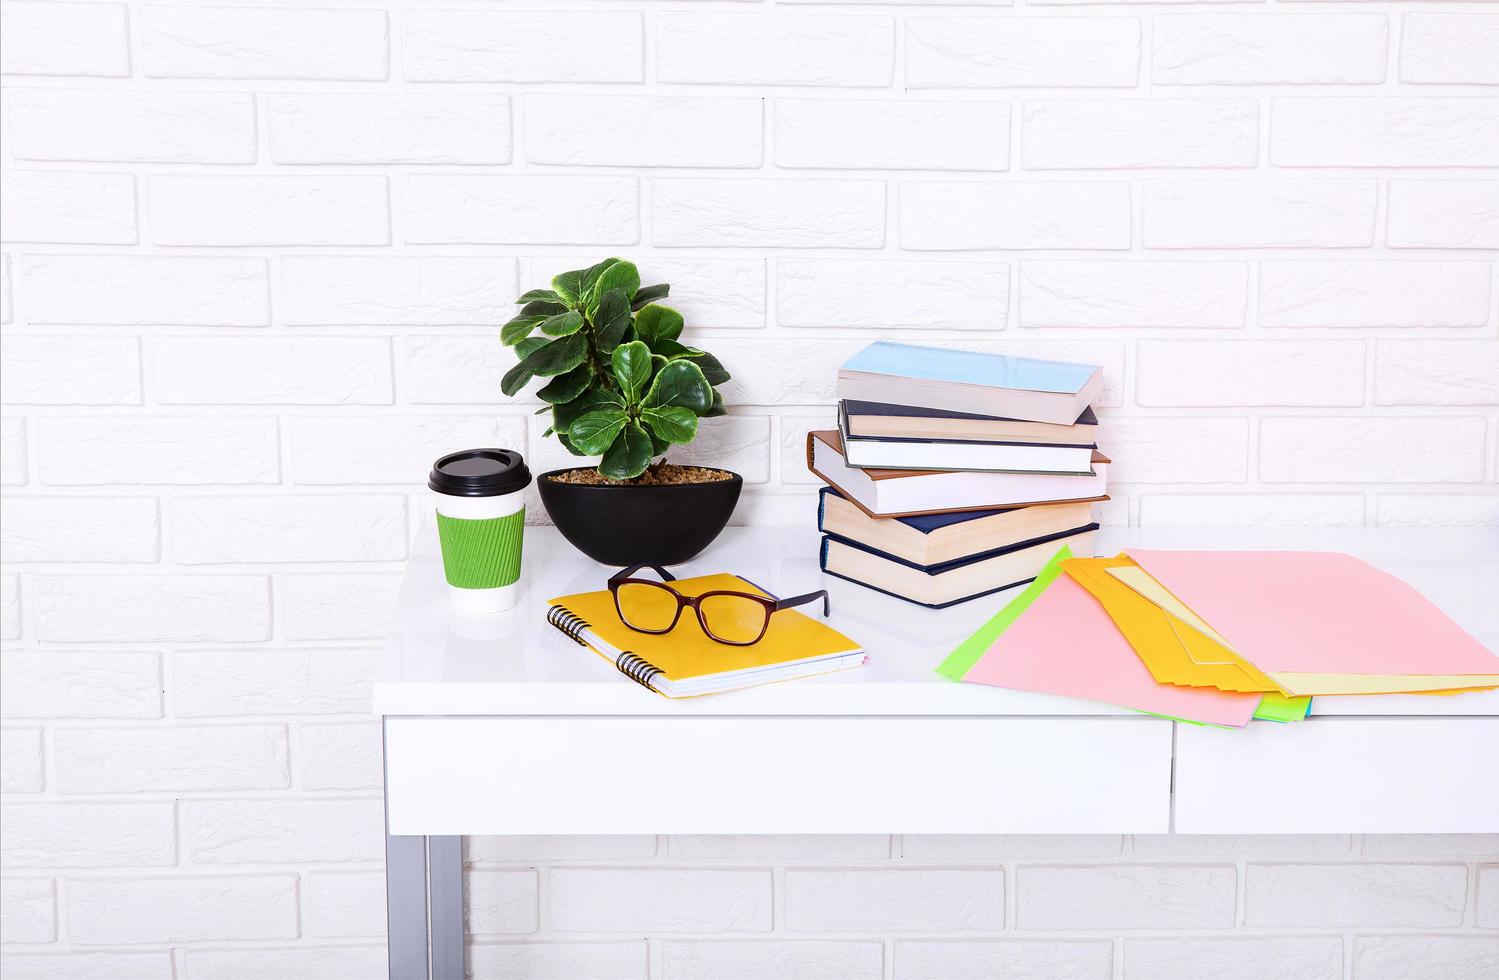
point(640, 671)
point(568, 622)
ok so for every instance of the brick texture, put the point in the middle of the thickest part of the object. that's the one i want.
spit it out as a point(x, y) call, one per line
point(253, 258)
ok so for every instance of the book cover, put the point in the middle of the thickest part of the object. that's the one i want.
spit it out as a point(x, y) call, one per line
point(925, 453)
point(970, 579)
point(948, 566)
point(874, 420)
point(937, 539)
point(923, 523)
point(943, 491)
point(970, 368)
point(855, 407)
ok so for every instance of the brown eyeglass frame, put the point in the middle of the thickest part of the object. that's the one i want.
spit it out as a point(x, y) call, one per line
point(771, 603)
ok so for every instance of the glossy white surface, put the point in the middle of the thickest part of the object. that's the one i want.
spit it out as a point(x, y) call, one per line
point(1340, 776)
point(439, 663)
point(724, 775)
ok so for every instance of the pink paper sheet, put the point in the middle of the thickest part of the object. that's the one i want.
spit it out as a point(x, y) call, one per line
point(1317, 612)
point(1065, 643)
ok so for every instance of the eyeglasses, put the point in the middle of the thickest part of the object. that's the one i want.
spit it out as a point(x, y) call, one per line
point(736, 618)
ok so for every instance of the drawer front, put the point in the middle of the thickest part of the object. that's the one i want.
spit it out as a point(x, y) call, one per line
point(1340, 775)
point(769, 775)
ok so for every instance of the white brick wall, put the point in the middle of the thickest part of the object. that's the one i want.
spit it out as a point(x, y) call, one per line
point(252, 258)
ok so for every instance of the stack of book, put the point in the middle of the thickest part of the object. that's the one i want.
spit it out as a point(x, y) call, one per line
point(954, 474)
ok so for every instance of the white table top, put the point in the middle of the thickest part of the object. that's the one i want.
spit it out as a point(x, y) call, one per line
point(439, 663)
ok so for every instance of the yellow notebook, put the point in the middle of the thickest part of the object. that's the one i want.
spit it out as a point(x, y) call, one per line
point(686, 662)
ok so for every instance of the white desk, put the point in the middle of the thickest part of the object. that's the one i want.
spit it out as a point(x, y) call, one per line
point(504, 726)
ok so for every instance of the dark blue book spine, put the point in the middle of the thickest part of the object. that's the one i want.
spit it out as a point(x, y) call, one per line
point(948, 566)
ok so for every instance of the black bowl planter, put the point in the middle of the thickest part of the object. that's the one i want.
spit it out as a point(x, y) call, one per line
point(625, 525)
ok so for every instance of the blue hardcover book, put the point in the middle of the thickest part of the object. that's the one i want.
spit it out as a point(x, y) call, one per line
point(998, 385)
point(939, 541)
point(947, 585)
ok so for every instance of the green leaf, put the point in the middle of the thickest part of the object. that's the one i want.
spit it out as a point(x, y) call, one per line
point(649, 294)
point(541, 309)
point(539, 295)
point(619, 275)
point(566, 387)
point(530, 345)
point(559, 356)
point(564, 415)
point(656, 322)
point(563, 324)
point(568, 444)
point(632, 369)
point(592, 273)
point(716, 409)
point(569, 287)
point(515, 379)
point(629, 456)
point(595, 432)
point(542, 410)
point(680, 383)
point(612, 321)
point(671, 349)
point(713, 370)
point(658, 445)
point(518, 329)
point(674, 425)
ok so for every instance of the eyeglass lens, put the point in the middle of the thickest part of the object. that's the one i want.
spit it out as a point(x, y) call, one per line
point(734, 618)
point(646, 606)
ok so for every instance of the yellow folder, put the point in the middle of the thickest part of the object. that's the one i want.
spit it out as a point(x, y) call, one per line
point(1173, 649)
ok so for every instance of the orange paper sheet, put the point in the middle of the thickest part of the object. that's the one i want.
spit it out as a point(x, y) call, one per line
point(1066, 644)
point(1317, 613)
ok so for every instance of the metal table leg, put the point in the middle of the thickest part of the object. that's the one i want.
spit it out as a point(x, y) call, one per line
point(445, 901)
point(406, 907)
point(423, 905)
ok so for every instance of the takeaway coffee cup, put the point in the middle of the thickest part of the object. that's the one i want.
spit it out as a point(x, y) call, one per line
point(481, 518)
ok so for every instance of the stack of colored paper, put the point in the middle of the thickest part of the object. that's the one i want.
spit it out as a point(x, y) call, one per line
point(1220, 637)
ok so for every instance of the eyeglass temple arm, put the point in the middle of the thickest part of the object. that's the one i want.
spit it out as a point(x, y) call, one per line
point(627, 572)
point(800, 600)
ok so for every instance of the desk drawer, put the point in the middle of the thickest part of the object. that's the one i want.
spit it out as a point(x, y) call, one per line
point(767, 775)
point(1339, 776)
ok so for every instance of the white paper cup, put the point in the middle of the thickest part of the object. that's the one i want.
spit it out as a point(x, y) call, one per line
point(481, 517)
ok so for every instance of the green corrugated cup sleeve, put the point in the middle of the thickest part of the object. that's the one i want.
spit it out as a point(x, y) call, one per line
point(481, 554)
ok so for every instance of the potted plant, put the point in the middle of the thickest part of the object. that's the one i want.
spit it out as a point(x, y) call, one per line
point(624, 388)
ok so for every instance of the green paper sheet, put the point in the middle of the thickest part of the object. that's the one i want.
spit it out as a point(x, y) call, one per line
point(962, 659)
point(1272, 707)
point(1281, 708)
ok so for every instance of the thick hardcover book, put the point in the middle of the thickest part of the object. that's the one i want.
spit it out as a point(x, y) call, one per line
point(881, 452)
point(967, 381)
point(929, 540)
point(946, 585)
point(905, 493)
point(881, 420)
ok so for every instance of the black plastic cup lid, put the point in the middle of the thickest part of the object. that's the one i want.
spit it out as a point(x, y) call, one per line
point(479, 473)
